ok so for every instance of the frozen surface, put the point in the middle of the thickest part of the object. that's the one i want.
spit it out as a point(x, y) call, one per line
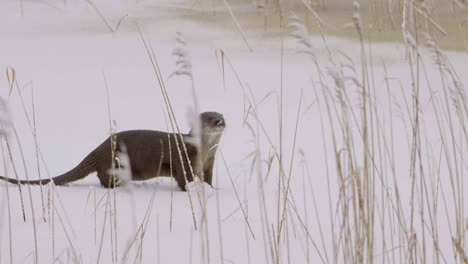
point(64, 53)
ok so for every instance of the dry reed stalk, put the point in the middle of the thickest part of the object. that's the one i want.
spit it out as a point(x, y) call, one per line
point(239, 27)
point(224, 58)
point(101, 16)
point(141, 231)
point(36, 257)
point(21, 4)
point(184, 63)
point(36, 144)
point(369, 184)
point(51, 204)
point(451, 156)
point(413, 62)
point(158, 241)
point(283, 214)
point(261, 194)
point(319, 23)
point(237, 195)
point(94, 216)
point(300, 34)
point(306, 214)
point(2, 208)
point(390, 154)
point(170, 172)
point(32, 125)
point(269, 234)
point(150, 209)
point(77, 258)
point(113, 179)
point(172, 119)
point(7, 192)
point(246, 227)
point(220, 228)
point(322, 129)
point(112, 182)
point(364, 195)
point(98, 260)
point(306, 173)
point(281, 176)
point(12, 81)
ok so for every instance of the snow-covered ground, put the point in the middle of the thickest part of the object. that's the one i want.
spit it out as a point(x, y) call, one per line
point(64, 54)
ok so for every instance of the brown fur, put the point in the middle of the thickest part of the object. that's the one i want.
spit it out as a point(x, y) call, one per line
point(148, 156)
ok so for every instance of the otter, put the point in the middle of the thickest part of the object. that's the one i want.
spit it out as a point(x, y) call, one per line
point(151, 154)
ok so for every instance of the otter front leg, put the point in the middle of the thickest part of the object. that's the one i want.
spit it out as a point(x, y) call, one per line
point(208, 176)
point(179, 176)
point(208, 171)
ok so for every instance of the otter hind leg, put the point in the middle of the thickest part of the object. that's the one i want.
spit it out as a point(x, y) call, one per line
point(181, 182)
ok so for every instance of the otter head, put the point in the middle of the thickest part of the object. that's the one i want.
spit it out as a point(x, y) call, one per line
point(212, 124)
point(211, 127)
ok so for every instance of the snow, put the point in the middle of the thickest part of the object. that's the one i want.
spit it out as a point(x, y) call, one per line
point(66, 54)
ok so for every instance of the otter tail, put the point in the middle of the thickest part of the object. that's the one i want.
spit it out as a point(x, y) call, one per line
point(82, 170)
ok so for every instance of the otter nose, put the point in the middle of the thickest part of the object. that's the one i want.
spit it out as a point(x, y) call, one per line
point(220, 121)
